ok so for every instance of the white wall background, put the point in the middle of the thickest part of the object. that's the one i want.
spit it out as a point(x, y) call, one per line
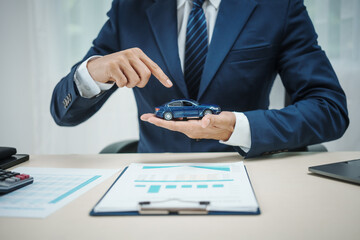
point(42, 39)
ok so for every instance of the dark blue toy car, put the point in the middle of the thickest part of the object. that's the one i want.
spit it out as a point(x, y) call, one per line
point(183, 108)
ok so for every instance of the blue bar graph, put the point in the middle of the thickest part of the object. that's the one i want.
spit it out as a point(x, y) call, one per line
point(138, 185)
point(218, 185)
point(218, 168)
point(202, 186)
point(186, 186)
point(157, 167)
point(154, 189)
point(170, 186)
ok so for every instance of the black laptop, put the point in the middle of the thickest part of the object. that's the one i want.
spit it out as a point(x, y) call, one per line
point(347, 171)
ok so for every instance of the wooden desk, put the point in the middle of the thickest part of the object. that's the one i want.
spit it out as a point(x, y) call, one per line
point(294, 203)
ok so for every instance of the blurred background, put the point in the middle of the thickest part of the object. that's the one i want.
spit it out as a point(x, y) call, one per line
point(42, 39)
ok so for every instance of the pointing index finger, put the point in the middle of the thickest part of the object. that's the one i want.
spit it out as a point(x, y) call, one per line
point(156, 70)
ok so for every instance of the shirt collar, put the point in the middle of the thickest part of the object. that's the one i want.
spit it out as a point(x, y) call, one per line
point(180, 3)
point(215, 3)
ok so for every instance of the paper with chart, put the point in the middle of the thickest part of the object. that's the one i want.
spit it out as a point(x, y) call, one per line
point(225, 185)
point(52, 189)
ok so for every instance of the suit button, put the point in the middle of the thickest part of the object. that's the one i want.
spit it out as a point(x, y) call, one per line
point(67, 100)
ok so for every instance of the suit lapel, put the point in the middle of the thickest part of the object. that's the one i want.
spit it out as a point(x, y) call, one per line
point(231, 18)
point(162, 15)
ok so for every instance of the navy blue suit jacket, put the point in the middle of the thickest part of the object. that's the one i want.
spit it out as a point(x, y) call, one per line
point(252, 42)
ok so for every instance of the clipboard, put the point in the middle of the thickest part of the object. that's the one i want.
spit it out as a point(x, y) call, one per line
point(165, 207)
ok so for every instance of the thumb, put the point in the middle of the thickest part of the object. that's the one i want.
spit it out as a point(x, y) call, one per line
point(206, 121)
point(225, 120)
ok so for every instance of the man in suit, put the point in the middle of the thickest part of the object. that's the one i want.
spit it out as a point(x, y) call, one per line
point(225, 52)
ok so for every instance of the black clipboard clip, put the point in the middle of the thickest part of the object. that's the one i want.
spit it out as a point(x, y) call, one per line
point(165, 207)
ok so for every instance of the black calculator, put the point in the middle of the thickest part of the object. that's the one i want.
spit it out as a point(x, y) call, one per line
point(10, 181)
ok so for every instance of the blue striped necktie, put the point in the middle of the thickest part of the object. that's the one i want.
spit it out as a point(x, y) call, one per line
point(196, 48)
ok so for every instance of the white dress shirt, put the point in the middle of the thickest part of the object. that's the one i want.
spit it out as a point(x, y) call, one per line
point(89, 88)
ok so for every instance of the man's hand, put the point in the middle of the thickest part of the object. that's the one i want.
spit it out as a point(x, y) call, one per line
point(218, 127)
point(129, 68)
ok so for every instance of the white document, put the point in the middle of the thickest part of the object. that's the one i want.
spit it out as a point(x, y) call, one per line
point(52, 189)
point(225, 186)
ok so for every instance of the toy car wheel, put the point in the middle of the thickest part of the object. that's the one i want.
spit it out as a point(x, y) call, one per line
point(168, 116)
point(207, 111)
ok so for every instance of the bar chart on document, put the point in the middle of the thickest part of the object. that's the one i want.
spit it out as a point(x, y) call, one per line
point(163, 180)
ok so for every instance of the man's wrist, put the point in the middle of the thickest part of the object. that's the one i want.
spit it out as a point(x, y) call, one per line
point(86, 85)
point(241, 135)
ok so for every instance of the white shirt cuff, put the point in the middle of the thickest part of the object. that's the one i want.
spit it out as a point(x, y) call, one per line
point(241, 136)
point(86, 85)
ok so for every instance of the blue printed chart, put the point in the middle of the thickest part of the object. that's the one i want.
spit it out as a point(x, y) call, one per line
point(52, 189)
point(186, 178)
point(226, 186)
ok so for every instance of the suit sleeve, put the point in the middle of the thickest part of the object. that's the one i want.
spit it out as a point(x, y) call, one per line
point(318, 112)
point(68, 108)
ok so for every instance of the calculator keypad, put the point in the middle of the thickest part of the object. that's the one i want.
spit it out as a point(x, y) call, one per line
point(10, 181)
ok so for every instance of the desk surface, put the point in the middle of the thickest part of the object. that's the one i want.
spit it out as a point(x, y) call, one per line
point(294, 203)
